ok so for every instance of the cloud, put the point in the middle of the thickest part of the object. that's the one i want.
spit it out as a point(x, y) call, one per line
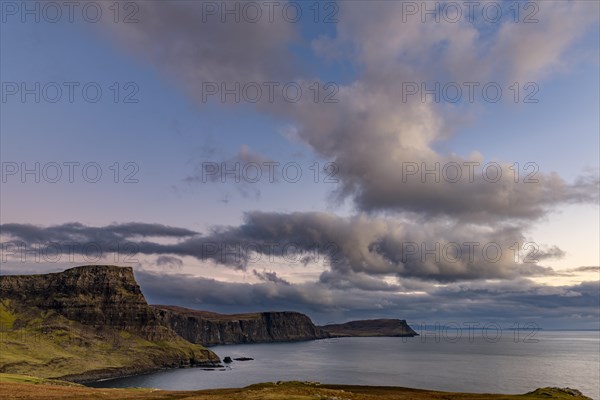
point(587, 269)
point(422, 303)
point(194, 47)
point(243, 171)
point(78, 232)
point(530, 52)
point(169, 262)
point(272, 276)
point(349, 280)
point(442, 251)
point(365, 277)
point(552, 252)
point(506, 303)
point(358, 248)
point(416, 244)
point(373, 131)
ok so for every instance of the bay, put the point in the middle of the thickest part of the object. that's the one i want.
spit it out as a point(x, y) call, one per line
point(506, 364)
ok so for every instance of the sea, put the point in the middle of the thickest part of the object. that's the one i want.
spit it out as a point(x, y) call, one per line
point(510, 363)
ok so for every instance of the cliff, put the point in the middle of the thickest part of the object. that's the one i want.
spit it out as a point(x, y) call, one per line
point(210, 329)
point(99, 295)
point(372, 328)
point(88, 322)
point(93, 322)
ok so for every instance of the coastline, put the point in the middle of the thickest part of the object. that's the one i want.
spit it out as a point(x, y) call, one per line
point(107, 374)
point(61, 334)
point(392, 362)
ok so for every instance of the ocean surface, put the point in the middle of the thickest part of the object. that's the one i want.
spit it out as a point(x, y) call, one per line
point(505, 364)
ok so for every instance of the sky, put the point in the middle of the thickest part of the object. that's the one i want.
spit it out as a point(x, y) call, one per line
point(429, 161)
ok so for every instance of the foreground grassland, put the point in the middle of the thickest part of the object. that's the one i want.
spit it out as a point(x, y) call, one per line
point(24, 387)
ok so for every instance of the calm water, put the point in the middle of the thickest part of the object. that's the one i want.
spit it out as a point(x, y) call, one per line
point(556, 359)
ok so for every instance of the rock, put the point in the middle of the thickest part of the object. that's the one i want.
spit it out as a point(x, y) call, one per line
point(211, 329)
point(243, 359)
point(227, 360)
point(99, 295)
point(371, 328)
point(94, 305)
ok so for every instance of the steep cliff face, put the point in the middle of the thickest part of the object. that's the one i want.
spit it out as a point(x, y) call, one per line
point(86, 323)
point(211, 329)
point(101, 295)
point(371, 328)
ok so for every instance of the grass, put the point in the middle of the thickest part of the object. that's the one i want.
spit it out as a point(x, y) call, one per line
point(208, 315)
point(7, 318)
point(15, 378)
point(49, 345)
point(19, 387)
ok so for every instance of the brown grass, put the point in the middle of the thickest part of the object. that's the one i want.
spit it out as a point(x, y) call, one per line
point(12, 388)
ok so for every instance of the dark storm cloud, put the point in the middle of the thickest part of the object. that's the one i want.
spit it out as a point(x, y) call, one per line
point(517, 301)
point(442, 251)
point(192, 291)
point(357, 248)
point(421, 303)
point(79, 232)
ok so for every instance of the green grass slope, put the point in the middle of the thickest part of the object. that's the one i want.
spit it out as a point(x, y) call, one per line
point(48, 345)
